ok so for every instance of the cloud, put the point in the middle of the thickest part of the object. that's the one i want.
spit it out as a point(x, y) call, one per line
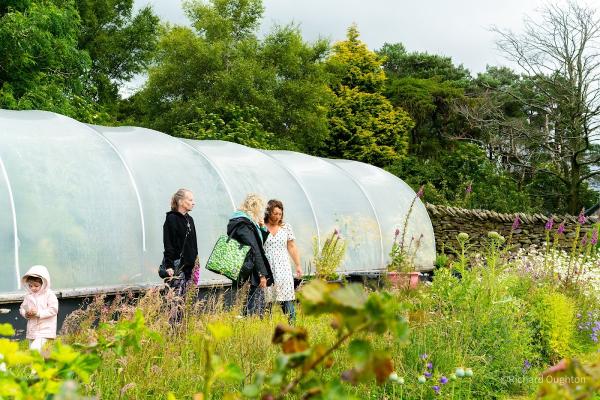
point(458, 28)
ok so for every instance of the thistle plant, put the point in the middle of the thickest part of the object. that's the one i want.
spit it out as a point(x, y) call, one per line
point(495, 242)
point(440, 382)
point(397, 381)
point(461, 253)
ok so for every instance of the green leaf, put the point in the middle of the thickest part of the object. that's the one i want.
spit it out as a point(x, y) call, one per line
point(19, 358)
point(360, 351)
point(351, 296)
point(259, 378)
point(336, 391)
point(314, 292)
point(64, 353)
point(9, 388)
point(6, 330)
point(251, 391)
point(401, 329)
point(281, 362)
point(85, 365)
point(231, 372)
point(276, 379)
point(312, 383)
point(8, 347)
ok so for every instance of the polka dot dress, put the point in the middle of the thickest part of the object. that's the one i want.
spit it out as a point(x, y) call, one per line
point(279, 259)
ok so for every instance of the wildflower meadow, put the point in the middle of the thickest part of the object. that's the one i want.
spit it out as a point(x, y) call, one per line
point(503, 324)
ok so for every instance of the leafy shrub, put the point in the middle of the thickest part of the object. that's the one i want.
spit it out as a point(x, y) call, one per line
point(441, 260)
point(553, 319)
point(447, 177)
point(26, 374)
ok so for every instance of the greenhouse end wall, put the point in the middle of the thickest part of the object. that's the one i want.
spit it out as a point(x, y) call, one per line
point(89, 201)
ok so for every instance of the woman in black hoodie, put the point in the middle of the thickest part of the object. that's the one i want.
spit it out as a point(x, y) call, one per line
point(247, 227)
point(179, 239)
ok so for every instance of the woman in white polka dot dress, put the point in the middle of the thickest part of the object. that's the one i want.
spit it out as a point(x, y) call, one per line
point(279, 247)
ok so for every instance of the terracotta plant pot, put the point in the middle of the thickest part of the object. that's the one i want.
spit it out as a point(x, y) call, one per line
point(404, 280)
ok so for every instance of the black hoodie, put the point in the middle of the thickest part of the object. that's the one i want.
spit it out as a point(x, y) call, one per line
point(256, 263)
point(174, 231)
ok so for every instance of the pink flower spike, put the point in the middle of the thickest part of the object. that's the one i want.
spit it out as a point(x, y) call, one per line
point(550, 223)
point(584, 240)
point(421, 191)
point(581, 219)
point(561, 228)
point(469, 188)
point(595, 237)
point(516, 223)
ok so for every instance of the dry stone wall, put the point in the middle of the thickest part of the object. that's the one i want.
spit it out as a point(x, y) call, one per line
point(449, 221)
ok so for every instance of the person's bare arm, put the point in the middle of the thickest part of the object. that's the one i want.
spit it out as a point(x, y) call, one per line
point(293, 250)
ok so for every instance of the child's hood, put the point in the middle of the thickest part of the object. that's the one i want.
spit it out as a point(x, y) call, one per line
point(38, 271)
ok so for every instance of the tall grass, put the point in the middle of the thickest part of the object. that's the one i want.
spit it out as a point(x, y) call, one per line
point(484, 320)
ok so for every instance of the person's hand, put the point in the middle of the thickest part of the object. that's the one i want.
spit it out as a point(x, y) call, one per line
point(31, 313)
point(263, 282)
point(170, 271)
point(298, 271)
point(261, 222)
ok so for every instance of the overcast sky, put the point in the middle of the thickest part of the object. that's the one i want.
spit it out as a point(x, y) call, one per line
point(455, 28)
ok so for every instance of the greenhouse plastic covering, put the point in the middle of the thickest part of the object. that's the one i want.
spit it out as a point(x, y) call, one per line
point(89, 201)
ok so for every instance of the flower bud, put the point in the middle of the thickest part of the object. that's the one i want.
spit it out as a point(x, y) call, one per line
point(493, 235)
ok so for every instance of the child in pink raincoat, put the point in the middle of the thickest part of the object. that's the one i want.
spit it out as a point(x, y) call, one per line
point(39, 307)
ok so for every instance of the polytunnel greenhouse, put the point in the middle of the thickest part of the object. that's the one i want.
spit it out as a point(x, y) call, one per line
point(89, 201)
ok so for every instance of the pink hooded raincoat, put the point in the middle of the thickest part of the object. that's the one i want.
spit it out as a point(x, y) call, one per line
point(43, 325)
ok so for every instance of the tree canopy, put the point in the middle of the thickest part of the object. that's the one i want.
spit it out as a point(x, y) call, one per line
point(273, 89)
point(546, 121)
point(119, 43)
point(522, 139)
point(363, 124)
point(41, 66)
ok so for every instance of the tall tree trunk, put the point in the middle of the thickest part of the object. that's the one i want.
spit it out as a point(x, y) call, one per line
point(574, 201)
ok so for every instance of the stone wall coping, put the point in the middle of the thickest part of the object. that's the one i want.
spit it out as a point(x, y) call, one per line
point(487, 215)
